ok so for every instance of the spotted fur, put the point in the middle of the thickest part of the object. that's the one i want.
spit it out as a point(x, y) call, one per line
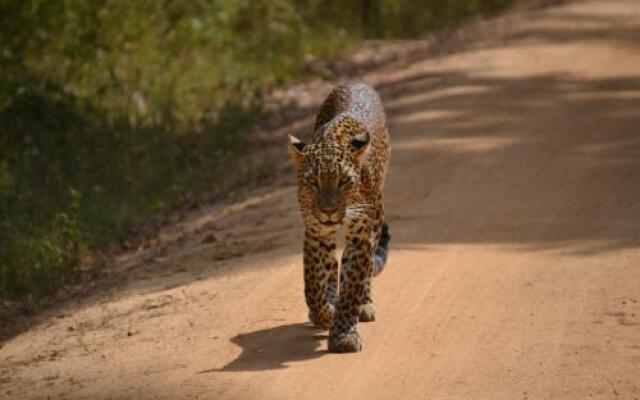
point(340, 177)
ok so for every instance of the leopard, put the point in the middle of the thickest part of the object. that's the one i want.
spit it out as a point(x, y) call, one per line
point(340, 177)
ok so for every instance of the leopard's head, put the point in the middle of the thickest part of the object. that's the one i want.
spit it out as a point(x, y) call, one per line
point(328, 172)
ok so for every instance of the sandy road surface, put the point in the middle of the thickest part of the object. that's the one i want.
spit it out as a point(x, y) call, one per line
point(514, 205)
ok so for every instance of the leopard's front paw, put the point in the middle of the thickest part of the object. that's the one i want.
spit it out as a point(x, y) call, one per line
point(367, 313)
point(350, 342)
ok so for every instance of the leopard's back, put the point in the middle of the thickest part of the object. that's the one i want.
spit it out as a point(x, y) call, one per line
point(355, 99)
point(360, 102)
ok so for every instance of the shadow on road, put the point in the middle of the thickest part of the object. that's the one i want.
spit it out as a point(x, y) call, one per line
point(477, 139)
point(275, 348)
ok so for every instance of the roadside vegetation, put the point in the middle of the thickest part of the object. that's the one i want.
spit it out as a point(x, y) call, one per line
point(112, 111)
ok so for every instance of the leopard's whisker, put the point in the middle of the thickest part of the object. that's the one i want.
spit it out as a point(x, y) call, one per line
point(350, 215)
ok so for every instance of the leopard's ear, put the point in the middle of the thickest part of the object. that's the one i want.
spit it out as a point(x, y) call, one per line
point(296, 146)
point(360, 144)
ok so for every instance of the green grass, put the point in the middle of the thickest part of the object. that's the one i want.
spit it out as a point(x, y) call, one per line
point(112, 110)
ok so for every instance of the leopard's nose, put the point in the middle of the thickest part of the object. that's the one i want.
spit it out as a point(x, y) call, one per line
point(327, 200)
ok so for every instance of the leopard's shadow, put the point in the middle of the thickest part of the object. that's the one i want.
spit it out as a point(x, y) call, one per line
point(276, 347)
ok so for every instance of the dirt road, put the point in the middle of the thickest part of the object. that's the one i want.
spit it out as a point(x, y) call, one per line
point(514, 206)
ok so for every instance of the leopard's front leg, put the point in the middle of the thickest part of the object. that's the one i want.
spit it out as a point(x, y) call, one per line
point(320, 265)
point(354, 277)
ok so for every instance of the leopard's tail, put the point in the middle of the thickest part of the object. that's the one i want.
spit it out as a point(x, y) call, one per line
point(382, 251)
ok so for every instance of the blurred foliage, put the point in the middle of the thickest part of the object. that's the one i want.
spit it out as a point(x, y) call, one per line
point(110, 110)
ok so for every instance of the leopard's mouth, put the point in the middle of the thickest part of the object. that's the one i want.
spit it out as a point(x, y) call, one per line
point(329, 223)
point(330, 220)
